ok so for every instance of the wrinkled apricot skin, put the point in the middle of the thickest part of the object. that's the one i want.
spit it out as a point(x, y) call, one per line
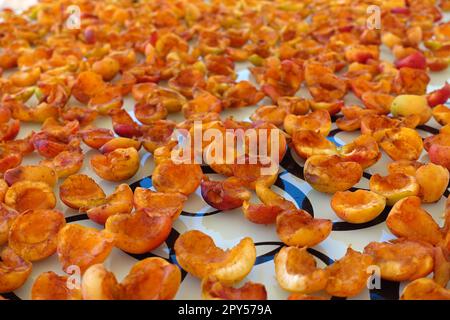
point(197, 254)
point(307, 143)
point(296, 271)
point(24, 195)
point(151, 279)
point(330, 174)
point(348, 275)
point(170, 177)
point(407, 219)
point(318, 121)
point(139, 232)
point(298, 228)
point(14, 270)
point(96, 137)
point(50, 286)
point(215, 290)
point(65, 163)
point(120, 201)
point(119, 143)
point(424, 289)
point(80, 191)
point(400, 143)
point(363, 150)
point(31, 173)
point(261, 213)
point(401, 259)
point(87, 84)
point(394, 187)
point(7, 217)
point(360, 206)
point(438, 148)
point(118, 165)
point(170, 204)
point(33, 233)
point(433, 180)
point(408, 167)
point(82, 246)
point(224, 195)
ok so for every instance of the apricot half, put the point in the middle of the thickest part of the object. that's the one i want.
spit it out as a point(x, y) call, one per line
point(298, 228)
point(14, 270)
point(224, 195)
point(120, 201)
point(360, 206)
point(363, 150)
point(171, 177)
point(425, 289)
point(331, 173)
point(151, 279)
point(24, 195)
point(318, 121)
point(82, 246)
point(7, 216)
point(140, 231)
point(394, 186)
point(65, 163)
point(407, 219)
point(33, 234)
point(348, 275)
point(80, 191)
point(213, 289)
point(296, 271)
point(308, 143)
point(170, 204)
point(197, 253)
point(99, 284)
point(31, 173)
point(117, 165)
point(50, 286)
point(402, 259)
point(400, 143)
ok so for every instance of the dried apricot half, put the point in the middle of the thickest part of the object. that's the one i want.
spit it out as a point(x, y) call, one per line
point(151, 279)
point(331, 173)
point(197, 253)
point(51, 286)
point(402, 259)
point(348, 275)
point(394, 187)
point(407, 219)
point(24, 195)
point(139, 232)
point(120, 201)
point(296, 271)
point(425, 289)
point(33, 234)
point(224, 195)
point(170, 177)
point(14, 270)
point(80, 191)
point(298, 228)
point(82, 246)
point(170, 204)
point(32, 173)
point(212, 289)
point(359, 206)
point(117, 165)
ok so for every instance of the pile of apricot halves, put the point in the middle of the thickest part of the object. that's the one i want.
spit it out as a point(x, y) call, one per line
point(176, 56)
